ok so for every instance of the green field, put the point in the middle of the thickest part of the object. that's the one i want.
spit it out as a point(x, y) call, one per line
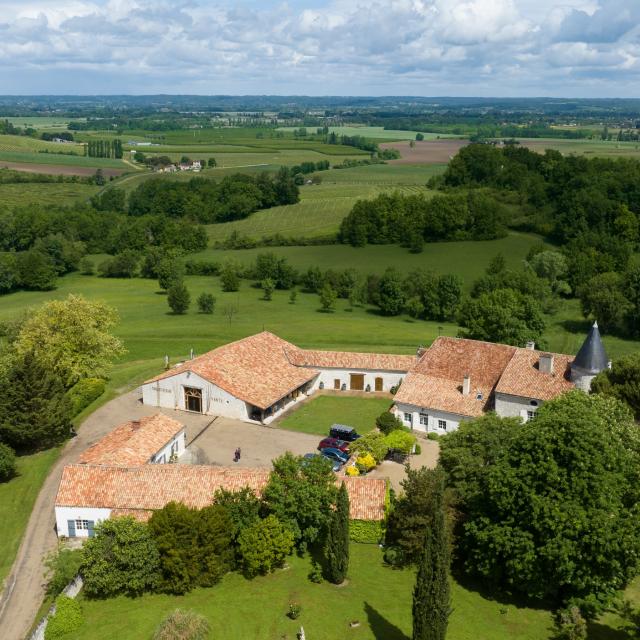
point(16, 501)
point(377, 597)
point(467, 259)
point(600, 148)
point(317, 415)
point(376, 133)
point(25, 144)
point(41, 122)
point(45, 193)
point(63, 160)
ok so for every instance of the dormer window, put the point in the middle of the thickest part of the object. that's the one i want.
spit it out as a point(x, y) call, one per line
point(479, 395)
point(534, 403)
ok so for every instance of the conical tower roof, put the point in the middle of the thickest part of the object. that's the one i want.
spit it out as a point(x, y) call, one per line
point(592, 358)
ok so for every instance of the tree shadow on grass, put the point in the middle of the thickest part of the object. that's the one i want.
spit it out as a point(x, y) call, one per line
point(576, 326)
point(598, 631)
point(382, 629)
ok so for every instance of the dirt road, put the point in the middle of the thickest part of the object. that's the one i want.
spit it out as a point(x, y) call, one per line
point(24, 589)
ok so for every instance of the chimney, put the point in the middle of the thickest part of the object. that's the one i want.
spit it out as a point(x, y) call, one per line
point(466, 385)
point(545, 365)
point(420, 352)
point(531, 345)
point(135, 425)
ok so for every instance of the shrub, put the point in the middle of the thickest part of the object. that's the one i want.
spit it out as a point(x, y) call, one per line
point(388, 422)
point(433, 436)
point(373, 443)
point(62, 566)
point(294, 610)
point(183, 625)
point(570, 625)
point(179, 298)
point(393, 556)
point(418, 449)
point(352, 471)
point(264, 546)
point(7, 462)
point(87, 267)
point(67, 619)
point(402, 441)
point(366, 531)
point(206, 303)
point(201, 268)
point(365, 463)
point(268, 286)
point(84, 392)
point(122, 558)
point(315, 575)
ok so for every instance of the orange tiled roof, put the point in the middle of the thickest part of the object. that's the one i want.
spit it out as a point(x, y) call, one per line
point(436, 381)
point(150, 487)
point(133, 443)
point(522, 377)
point(256, 369)
point(352, 360)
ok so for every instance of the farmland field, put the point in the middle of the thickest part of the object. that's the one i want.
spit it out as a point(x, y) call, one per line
point(48, 193)
point(425, 152)
point(60, 159)
point(42, 122)
point(600, 148)
point(26, 144)
point(375, 133)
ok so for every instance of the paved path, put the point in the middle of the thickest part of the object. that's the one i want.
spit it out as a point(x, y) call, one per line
point(24, 590)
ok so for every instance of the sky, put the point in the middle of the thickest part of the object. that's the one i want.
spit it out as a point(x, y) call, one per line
point(560, 48)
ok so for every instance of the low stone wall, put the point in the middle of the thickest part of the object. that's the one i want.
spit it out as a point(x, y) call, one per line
point(71, 590)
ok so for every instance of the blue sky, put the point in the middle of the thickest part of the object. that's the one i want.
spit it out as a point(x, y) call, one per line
point(572, 48)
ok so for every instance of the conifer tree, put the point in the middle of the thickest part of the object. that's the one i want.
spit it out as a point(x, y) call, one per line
point(336, 548)
point(431, 599)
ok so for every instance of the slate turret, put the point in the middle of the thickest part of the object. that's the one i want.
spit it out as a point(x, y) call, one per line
point(590, 360)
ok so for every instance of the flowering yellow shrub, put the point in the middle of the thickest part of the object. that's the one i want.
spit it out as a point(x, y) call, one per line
point(366, 462)
point(352, 471)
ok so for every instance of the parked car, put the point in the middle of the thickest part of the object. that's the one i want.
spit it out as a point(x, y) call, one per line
point(335, 466)
point(334, 443)
point(335, 455)
point(343, 432)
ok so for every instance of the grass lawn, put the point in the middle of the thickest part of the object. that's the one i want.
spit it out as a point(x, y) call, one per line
point(16, 501)
point(45, 193)
point(376, 596)
point(318, 414)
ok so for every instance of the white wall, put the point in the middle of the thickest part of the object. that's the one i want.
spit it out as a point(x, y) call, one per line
point(508, 406)
point(178, 444)
point(63, 514)
point(328, 375)
point(452, 419)
point(169, 393)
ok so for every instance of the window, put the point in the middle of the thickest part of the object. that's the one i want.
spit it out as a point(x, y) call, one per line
point(424, 419)
point(442, 424)
point(479, 395)
point(174, 446)
point(82, 525)
point(534, 403)
point(408, 418)
point(531, 415)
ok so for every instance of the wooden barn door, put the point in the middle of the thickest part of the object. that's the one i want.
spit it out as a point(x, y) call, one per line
point(357, 382)
point(378, 384)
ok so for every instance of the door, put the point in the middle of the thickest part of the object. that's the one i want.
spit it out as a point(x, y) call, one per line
point(357, 382)
point(71, 527)
point(193, 399)
point(378, 384)
point(336, 384)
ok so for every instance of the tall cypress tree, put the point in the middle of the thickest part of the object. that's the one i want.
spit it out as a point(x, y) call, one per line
point(431, 598)
point(336, 548)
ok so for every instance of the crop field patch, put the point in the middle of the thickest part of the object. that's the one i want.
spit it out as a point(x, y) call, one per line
point(426, 151)
point(598, 148)
point(27, 144)
point(56, 170)
point(47, 193)
point(374, 133)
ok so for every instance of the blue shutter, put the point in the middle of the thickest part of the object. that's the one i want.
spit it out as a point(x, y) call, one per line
point(91, 531)
point(71, 526)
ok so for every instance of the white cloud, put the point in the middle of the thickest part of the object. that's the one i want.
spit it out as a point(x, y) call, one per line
point(433, 47)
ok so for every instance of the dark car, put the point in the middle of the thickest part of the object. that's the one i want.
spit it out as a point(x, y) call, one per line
point(334, 443)
point(335, 455)
point(342, 432)
point(335, 466)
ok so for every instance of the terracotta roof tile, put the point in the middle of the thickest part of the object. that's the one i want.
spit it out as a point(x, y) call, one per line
point(133, 443)
point(522, 377)
point(150, 487)
point(352, 360)
point(256, 369)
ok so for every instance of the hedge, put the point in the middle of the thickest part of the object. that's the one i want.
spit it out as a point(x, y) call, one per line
point(84, 392)
point(67, 619)
point(366, 531)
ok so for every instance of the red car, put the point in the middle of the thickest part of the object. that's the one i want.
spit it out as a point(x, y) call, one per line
point(334, 443)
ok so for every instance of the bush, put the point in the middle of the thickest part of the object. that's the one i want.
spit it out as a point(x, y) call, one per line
point(178, 298)
point(122, 558)
point(352, 471)
point(373, 443)
point(366, 531)
point(433, 436)
point(315, 575)
point(201, 268)
point(264, 546)
point(206, 303)
point(393, 557)
point(570, 625)
point(365, 463)
point(7, 462)
point(402, 441)
point(388, 422)
point(87, 267)
point(84, 392)
point(62, 566)
point(418, 449)
point(183, 625)
point(294, 610)
point(67, 619)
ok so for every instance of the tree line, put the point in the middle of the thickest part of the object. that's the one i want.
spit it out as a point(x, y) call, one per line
point(104, 148)
point(412, 220)
point(208, 201)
